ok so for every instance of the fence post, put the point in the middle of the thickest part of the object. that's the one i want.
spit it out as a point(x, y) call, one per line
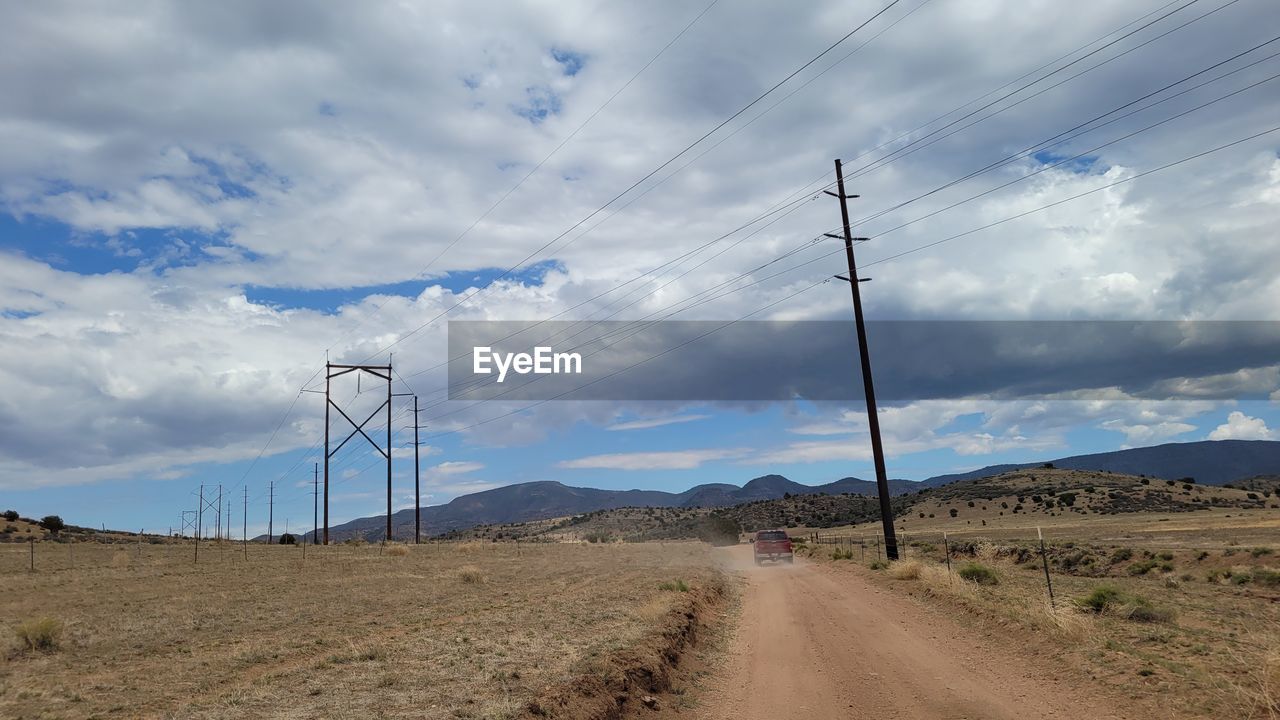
point(33, 554)
point(902, 546)
point(1044, 557)
point(946, 549)
point(877, 548)
point(862, 548)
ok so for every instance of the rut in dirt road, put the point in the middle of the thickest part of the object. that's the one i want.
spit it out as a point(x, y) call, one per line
point(816, 644)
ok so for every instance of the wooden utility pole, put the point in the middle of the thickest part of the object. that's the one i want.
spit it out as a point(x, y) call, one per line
point(244, 516)
point(199, 521)
point(873, 422)
point(315, 500)
point(271, 510)
point(417, 484)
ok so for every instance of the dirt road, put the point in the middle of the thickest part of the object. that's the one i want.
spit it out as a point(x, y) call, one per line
point(813, 643)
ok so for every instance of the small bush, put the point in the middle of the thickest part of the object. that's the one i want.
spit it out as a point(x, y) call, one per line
point(1165, 556)
point(398, 550)
point(1141, 610)
point(905, 570)
point(42, 634)
point(1264, 576)
point(841, 554)
point(9, 515)
point(1260, 551)
point(52, 523)
point(677, 586)
point(877, 565)
point(1121, 555)
point(978, 573)
point(1142, 568)
point(1103, 598)
point(471, 575)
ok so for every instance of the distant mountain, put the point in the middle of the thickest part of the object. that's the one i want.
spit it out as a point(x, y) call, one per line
point(1209, 462)
point(547, 499)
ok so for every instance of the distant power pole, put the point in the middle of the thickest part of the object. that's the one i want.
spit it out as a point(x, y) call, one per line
point(271, 510)
point(199, 520)
point(315, 500)
point(873, 421)
point(417, 485)
point(217, 528)
point(244, 516)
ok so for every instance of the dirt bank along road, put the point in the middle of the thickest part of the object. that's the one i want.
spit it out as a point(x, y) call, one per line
point(815, 642)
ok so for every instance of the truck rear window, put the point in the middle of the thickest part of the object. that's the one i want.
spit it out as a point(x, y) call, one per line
point(772, 535)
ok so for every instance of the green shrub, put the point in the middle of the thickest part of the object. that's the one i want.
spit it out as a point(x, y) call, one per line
point(842, 554)
point(9, 515)
point(978, 573)
point(1121, 555)
point(1264, 576)
point(1165, 555)
point(677, 586)
point(43, 634)
point(878, 565)
point(52, 523)
point(1140, 609)
point(1142, 568)
point(1260, 551)
point(1103, 598)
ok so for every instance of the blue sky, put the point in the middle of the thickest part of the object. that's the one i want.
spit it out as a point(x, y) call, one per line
point(192, 221)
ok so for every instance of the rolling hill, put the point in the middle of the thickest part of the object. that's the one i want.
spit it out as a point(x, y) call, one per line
point(1209, 462)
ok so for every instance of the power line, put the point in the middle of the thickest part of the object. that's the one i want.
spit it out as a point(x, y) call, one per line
point(637, 183)
point(1023, 214)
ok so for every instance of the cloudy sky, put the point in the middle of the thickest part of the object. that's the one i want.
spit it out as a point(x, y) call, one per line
point(201, 202)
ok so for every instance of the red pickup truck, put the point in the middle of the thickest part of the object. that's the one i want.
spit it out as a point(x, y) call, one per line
point(773, 545)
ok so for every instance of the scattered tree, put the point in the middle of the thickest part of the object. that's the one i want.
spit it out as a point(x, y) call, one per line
point(52, 523)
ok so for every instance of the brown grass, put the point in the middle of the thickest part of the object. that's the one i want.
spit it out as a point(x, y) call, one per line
point(346, 633)
point(42, 634)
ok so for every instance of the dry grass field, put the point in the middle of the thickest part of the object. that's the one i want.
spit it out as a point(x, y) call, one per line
point(435, 631)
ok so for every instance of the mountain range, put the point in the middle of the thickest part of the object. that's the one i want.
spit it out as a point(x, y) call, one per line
point(1216, 462)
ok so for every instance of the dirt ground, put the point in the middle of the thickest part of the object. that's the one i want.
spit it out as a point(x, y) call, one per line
point(813, 642)
point(441, 631)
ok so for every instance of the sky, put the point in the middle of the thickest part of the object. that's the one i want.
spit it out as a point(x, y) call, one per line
point(200, 203)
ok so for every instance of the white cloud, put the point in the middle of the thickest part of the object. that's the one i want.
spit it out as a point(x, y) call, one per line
point(341, 148)
point(456, 468)
point(672, 460)
point(1242, 427)
point(656, 422)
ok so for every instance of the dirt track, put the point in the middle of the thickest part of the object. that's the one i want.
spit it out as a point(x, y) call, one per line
point(813, 643)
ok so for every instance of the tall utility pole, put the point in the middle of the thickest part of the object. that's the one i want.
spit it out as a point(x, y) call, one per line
point(332, 371)
point(199, 520)
point(217, 528)
point(315, 501)
point(244, 532)
point(271, 510)
point(388, 538)
point(873, 421)
point(417, 484)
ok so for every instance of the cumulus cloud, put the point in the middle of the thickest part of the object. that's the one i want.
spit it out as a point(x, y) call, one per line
point(172, 158)
point(1242, 427)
